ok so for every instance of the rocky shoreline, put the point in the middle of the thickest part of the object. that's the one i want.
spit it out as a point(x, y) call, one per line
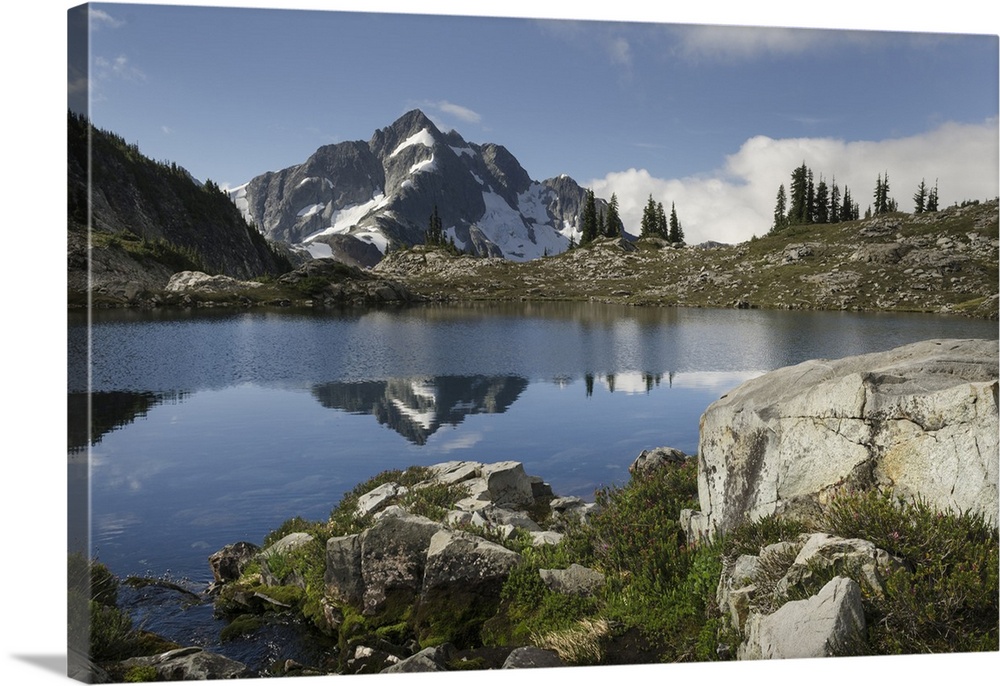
point(800, 520)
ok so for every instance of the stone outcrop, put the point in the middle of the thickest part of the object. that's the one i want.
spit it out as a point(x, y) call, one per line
point(457, 559)
point(410, 558)
point(754, 586)
point(334, 283)
point(654, 459)
point(228, 563)
point(393, 557)
point(190, 664)
point(200, 282)
point(574, 580)
point(825, 625)
point(530, 657)
point(919, 419)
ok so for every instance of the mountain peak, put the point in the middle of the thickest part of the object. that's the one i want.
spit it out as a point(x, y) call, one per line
point(383, 192)
point(413, 122)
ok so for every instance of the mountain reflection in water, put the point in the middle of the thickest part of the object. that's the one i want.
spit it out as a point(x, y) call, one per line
point(417, 407)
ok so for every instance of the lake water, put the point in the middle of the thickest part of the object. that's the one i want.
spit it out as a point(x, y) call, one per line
point(211, 428)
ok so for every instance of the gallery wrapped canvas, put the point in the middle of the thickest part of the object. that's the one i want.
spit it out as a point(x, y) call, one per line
point(442, 343)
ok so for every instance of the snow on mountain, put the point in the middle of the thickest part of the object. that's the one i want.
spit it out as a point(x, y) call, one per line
point(383, 192)
point(422, 137)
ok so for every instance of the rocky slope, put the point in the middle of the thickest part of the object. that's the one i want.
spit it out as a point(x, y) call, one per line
point(351, 196)
point(944, 262)
point(148, 220)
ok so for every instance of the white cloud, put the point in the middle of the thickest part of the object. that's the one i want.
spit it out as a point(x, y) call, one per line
point(620, 51)
point(737, 201)
point(728, 43)
point(742, 42)
point(463, 113)
point(99, 18)
point(119, 67)
point(443, 109)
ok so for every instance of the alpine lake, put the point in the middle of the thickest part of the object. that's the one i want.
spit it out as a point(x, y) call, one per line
point(191, 430)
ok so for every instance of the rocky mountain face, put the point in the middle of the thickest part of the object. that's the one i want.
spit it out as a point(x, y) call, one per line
point(384, 191)
point(146, 216)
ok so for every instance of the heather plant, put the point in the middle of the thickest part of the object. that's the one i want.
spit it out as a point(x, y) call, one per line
point(750, 536)
point(657, 585)
point(944, 598)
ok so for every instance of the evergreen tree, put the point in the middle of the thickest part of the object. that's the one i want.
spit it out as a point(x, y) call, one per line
point(434, 235)
point(647, 227)
point(589, 228)
point(601, 224)
point(797, 191)
point(822, 208)
point(932, 198)
point(848, 210)
point(676, 232)
point(661, 221)
point(780, 210)
point(612, 222)
point(810, 210)
point(882, 202)
point(834, 202)
point(920, 198)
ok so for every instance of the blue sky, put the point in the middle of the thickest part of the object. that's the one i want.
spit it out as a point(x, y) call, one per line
point(711, 118)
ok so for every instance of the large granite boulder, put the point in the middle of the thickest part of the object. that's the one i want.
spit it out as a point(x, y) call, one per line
point(919, 420)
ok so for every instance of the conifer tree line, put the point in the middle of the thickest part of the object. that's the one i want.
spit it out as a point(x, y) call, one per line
point(654, 222)
point(925, 199)
point(435, 235)
point(594, 224)
point(809, 202)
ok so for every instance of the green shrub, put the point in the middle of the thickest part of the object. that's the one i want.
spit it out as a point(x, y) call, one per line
point(945, 599)
point(297, 525)
point(656, 585)
point(111, 634)
point(636, 532)
point(528, 607)
point(749, 537)
point(311, 286)
point(241, 626)
point(92, 578)
point(140, 673)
